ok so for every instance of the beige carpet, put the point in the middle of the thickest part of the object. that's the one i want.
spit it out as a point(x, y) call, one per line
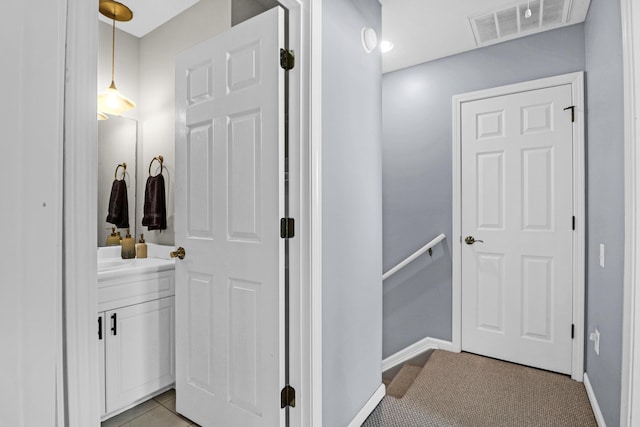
point(462, 389)
point(403, 380)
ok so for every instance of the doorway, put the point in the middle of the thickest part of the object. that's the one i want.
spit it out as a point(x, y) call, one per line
point(81, 354)
point(519, 216)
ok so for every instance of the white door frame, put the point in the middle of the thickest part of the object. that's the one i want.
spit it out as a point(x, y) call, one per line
point(630, 387)
point(80, 217)
point(576, 80)
point(81, 368)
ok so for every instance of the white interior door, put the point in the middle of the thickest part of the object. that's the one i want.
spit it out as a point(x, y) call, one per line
point(517, 203)
point(229, 200)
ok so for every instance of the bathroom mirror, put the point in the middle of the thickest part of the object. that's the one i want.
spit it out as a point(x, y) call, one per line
point(117, 145)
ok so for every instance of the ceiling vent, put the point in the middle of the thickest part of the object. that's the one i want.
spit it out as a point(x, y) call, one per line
point(509, 22)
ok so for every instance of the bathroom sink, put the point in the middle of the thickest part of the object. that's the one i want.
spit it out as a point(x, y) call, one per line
point(113, 264)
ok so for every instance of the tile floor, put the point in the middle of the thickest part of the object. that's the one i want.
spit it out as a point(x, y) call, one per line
point(157, 412)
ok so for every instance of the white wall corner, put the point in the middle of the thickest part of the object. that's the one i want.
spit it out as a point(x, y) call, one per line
point(416, 349)
point(594, 402)
point(369, 407)
point(312, 29)
point(630, 326)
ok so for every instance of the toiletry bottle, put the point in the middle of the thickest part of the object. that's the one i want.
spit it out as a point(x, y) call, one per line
point(141, 248)
point(128, 246)
point(114, 238)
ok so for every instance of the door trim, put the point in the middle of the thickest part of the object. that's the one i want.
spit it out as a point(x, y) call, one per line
point(312, 184)
point(630, 387)
point(80, 193)
point(576, 80)
point(80, 377)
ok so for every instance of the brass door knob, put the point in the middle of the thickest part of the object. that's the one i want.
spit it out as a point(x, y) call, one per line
point(180, 253)
point(469, 240)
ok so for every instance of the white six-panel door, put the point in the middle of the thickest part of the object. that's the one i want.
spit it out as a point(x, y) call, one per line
point(229, 199)
point(517, 198)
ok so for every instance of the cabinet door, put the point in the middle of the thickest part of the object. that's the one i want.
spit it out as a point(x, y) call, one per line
point(102, 335)
point(139, 351)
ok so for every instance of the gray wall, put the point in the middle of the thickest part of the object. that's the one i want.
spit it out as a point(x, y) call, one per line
point(351, 209)
point(158, 49)
point(605, 201)
point(416, 111)
point(241, 10)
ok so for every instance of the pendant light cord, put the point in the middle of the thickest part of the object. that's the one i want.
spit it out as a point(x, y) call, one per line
point(113, 50)
point(111, 101)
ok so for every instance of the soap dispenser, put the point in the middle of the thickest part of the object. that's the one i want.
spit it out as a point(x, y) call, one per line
point(141, 247)
point(114, 238)
point(128, 246)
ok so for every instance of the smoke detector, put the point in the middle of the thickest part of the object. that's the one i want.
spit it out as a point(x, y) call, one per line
point(513, 21)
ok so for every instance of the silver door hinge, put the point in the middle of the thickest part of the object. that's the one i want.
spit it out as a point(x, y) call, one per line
point(287, 228)
point(288, 397)
point(287, 59)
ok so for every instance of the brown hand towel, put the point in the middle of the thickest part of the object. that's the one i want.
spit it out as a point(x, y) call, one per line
point(155, 207)
point(118, 213)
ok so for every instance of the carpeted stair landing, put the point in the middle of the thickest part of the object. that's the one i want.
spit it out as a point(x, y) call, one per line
point(462, 389)
point(403, 380)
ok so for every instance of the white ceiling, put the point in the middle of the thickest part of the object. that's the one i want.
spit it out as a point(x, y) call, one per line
point(149, 15)
point(421, 30)
point(424, 30)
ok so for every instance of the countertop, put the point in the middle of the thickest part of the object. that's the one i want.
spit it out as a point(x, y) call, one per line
point(111, 264)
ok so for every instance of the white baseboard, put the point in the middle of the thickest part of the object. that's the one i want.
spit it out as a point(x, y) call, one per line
point(594, 402)
point(368, 408)
point(415, 349)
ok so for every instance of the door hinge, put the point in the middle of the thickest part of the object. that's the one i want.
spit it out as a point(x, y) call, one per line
point(573, 112)
point(573, 223)
point(573, 328)
point(287, 59)
point(288, 397)
point(287, 228)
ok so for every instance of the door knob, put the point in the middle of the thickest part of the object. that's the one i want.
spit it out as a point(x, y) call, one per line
point(180, 253)
point(469, 240)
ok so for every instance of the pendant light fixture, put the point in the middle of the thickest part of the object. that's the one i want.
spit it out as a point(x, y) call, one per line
point(111, 101)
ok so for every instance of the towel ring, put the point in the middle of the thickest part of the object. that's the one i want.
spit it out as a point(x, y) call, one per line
point(123, 166)
point(160, 159)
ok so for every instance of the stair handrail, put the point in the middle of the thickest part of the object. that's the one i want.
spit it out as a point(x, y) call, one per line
point(415, 255)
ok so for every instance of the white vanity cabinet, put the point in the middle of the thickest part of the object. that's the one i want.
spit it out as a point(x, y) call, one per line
point(136, 337)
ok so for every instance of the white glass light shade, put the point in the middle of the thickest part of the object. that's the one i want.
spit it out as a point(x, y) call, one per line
point(111, 101)
point(102, 116)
